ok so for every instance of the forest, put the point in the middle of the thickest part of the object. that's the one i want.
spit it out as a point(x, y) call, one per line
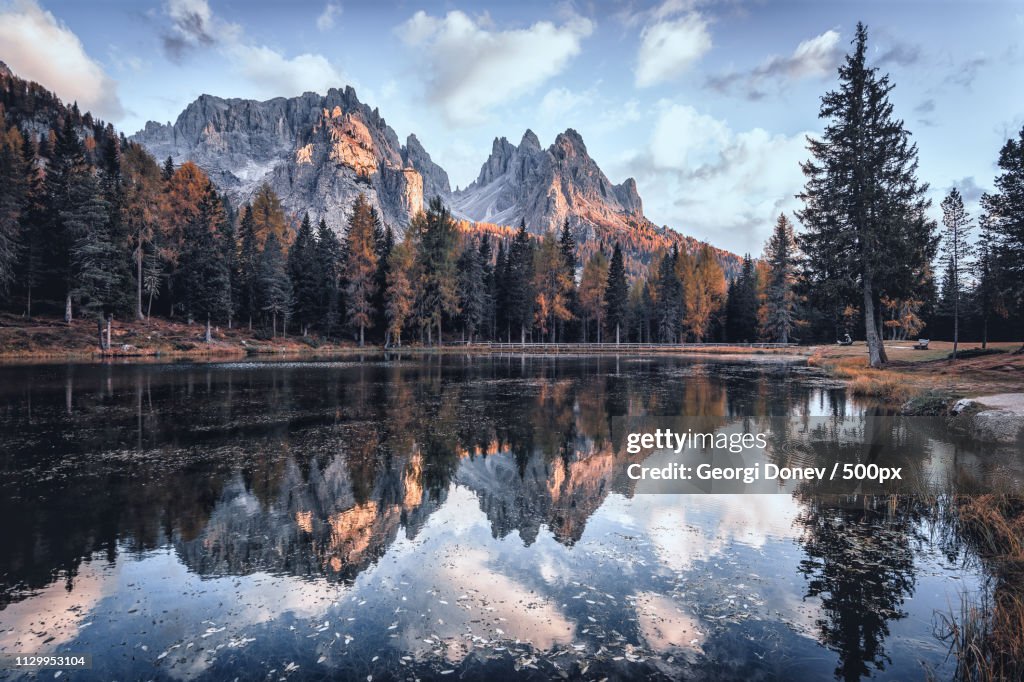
point(91, 225)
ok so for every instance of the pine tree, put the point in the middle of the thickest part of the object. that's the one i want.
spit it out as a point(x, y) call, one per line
point(471, 291)
point(438, 281)
point(488, 293)
point(668, 298)
point(519, 282)
point(275, 287)
point(499, 293)
point(361, 265)
point(14, 179)
point(228, 243)
point(203, 270)
point(384, 240)
point(957, 250)
point(304, 270)
point(568, 246)
point(167, 171)
point(593, 283)
point(329, 258)
point(33, 239)
point(1004, 218)
point(778, 314)
point(86, 221)
point(248, 267)
point(552, 285)
point(741, 304)
point(864, 210)
point(987, 293)
point(704, 294)
point(616, 293)
point(398, 294)
point(64, 175)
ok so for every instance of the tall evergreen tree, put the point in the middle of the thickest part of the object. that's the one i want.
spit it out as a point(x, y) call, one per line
point(471, 291)
point(499, 293)
point(957, 250)
point(275, 287)
point(14, 178)
point(86, 220)
point(863, 205)
point(248, 267)
point(329, 257)
point(304, 270)
point(778, 314)
point(203, 270)
point(741, 304)
point(668, 293)
point(1004, 218)
point(64, 177)
point(361, 265)
point(487, 280)
point(519, 282)
point(33, 238)
point(384, 239)
point(616, 293)
point(436, 238)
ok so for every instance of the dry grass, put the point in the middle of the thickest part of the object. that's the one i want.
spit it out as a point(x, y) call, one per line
point(987, 635)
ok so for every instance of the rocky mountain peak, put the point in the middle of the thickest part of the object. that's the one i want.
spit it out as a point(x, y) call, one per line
point(317, 152)
point(529, 140)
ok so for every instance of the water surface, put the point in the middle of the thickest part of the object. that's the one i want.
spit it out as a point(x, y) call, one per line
point(440, 517)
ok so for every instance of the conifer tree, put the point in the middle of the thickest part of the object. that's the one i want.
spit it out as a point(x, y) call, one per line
point(668, 294)
point(14, 178)
point(499, 293)
point(1004, 218)
point(275, 287)
point(863, 205)
point(304, 269)
point(33, 239)
point(248, 267)
point(552, 285)
point(704, 294)
point(778, 314)
point(742, 304)
point(86, 220)
point(593, 283)
point(361, 265)
point(471, 291)
point(438, 282)
point(616, 293)
point(519, 282)
point(329, 257)
point(384, 239)
point(957, 250)
point(487, 280)
point(399, 296)
point(203, 272)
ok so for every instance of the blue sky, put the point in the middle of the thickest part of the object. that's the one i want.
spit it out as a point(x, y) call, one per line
point(706, 103)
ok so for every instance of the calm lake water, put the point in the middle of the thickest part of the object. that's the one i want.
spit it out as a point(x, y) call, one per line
point(440, 517)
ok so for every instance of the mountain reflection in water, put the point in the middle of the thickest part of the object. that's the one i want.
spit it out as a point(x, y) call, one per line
point(401, 517)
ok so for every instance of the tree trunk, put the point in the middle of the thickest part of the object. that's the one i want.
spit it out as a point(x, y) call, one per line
point(522, 334)
point(67, 309)
point(273, 325)
point(138, 288)
point(361, 336)
point(956, 315)
point(99, 332)
point(876, 350)
point(440, 338)
point(28, 303)
point(110, 321)
point(149, 308)
point(616, 333)
point(984, 332)
point(209, 336)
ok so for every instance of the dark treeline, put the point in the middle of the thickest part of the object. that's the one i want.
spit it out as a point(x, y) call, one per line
point(92, 225)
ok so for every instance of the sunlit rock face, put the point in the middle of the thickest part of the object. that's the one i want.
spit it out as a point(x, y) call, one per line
point(543, 187)
point(317, 152)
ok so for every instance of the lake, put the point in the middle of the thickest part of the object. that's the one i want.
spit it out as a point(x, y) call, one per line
point(449, 517)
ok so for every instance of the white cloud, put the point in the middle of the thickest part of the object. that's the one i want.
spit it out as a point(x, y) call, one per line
point(471, 68)
point(275, 75)
point(704, 179)
point(38, 47)
point(668, 48)
point(268, 72)
point(325, 22)
point(813, 58)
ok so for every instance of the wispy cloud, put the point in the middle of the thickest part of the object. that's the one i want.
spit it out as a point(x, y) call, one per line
point(327, 18)
point(813, 58)
point(471, 67)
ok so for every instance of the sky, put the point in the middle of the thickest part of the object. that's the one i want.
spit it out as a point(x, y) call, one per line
point(707, 103)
